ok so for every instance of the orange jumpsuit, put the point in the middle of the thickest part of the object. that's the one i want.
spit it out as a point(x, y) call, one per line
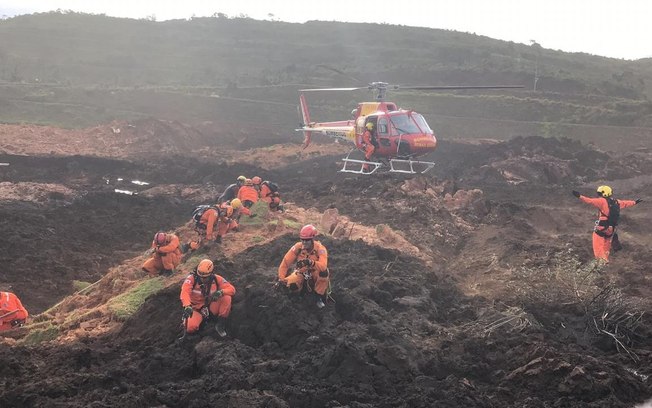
point(166, 256)
point(199, 297)
point(272, 198)
point(226, 220)
point(208, 222)
point(367, 144)
point(318, 273)
point(602, 245)
point(11, 310)
point(248, 195)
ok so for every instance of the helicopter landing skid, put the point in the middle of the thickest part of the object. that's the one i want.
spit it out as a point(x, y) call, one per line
point(366, 167)
point(411, 163)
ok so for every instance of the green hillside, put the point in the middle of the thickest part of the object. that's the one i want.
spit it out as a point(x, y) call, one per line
point(73, 69)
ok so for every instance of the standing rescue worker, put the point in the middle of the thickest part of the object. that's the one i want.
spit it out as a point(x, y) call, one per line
point(310, 260)
point(231, 191)
point(12, 312)
point(608, 213)
point(368, 141)
point(248, 194)
point(205, 294)
point(166, 255)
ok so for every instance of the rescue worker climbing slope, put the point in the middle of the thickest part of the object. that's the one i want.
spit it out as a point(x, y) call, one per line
point(311, 266)
point(269, 193)
point(12, 312)
point(605, 226)
point(166, 255)
point(231, 191)
point(205, 294)
point(227, 218)
point(368, 144)
point(206, 228)
point(248, 194)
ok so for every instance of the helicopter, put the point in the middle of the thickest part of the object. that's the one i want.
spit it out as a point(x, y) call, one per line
point(401, 135)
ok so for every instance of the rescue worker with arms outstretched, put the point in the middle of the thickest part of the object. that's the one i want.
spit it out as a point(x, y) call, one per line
point(205, 294)
point(310, 259)
point(12, 312)
point(605, 227)
point(166, 255)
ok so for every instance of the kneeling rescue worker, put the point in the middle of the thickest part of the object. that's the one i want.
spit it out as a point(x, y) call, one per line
point(205, 294)
point(604, 231)
point(166, 255)
point(12, 313)
point(311, 266)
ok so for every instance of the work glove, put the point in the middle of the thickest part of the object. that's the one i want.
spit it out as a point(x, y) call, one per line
point(305, 262)
point(187, 312)
point(576, 193)
point(639, 200)
point(217, 294)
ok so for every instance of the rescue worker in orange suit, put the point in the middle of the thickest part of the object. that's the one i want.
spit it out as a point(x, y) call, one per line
point(604, 231)
point(368, 141)
point(310, 259)
point(227, 218)
point(12, 312)
point(248, 194)
point(166, 255)
point(231, 191)
point(272, 198)
point(205, 294)
point(207, 229)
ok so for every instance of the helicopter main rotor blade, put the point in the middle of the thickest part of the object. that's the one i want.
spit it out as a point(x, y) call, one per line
point(331, 89)
point(453, 87)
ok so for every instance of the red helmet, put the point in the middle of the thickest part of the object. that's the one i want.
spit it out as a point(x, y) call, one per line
point(308, 232)
point(256, 180)
point(160, 238)
point(248, 182)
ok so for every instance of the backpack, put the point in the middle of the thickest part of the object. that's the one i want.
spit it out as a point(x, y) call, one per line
point(614, 212)
point(611, 221)
point(198, 212)
point(273, 187)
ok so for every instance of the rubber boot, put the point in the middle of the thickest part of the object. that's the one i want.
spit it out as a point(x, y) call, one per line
point(220, 326)
point(320, 302)
point(166, 272)
point(185, 247)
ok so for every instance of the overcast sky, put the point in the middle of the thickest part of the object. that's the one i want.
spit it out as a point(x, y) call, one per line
point(619, 29)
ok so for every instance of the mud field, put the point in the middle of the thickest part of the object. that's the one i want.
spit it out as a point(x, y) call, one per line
point(472, 286)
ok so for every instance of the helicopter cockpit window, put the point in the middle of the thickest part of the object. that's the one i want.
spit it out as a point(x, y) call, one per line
point(402, 124)
point(382, 126)
point(421, 121)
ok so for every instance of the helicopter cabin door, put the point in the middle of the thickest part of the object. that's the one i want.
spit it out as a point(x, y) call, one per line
point(382, 135)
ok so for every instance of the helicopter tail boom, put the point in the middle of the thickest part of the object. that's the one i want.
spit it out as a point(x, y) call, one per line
point(305, 117)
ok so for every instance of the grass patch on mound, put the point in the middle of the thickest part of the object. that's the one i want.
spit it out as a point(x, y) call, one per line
point(80, 285)
point(40, 333)
point(126, 304)
point(259, 212)
point(292, 224)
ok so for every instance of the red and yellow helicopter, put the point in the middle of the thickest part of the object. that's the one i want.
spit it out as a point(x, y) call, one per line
point(401, 135)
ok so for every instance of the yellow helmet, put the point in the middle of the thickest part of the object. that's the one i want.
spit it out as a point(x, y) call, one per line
point(605, 191)
point(241, 179)
point(205, 268)
point(236, 203)
point(370, 125)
